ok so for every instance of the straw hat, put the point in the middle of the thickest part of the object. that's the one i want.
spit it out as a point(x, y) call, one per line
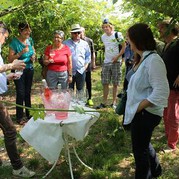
point(75, 28)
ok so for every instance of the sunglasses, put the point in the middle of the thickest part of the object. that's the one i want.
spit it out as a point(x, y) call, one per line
point(76, 32)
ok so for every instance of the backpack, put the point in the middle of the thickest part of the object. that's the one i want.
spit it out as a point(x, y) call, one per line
point(116, 37)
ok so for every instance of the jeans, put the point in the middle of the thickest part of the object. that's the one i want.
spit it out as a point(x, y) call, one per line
point(146, 161)
point(23, 92)
point(79, 79)
point(9, 132)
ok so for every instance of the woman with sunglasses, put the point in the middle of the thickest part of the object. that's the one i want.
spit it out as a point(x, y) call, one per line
point(58, 61)
point(22, 48)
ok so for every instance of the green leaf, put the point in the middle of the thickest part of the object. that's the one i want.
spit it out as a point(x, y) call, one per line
point(79, 110)
point(37, 114)
point(114, 1)
point(59, 1)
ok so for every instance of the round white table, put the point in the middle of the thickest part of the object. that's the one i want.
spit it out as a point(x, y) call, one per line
point(50, 135)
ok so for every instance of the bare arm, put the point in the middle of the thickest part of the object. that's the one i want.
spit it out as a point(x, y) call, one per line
point(33, 57)
point(12, 55)
point(144, 104)
point(120, 53)
point(5, 67)
point(16, 64)
point(46, 60)
point(69, 65)
point(69, 69)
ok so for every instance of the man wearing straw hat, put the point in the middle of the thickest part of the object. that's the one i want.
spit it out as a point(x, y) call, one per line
point(81, 57)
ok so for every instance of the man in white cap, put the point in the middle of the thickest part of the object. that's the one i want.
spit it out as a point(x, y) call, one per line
point(111, 69)
point(81, 57)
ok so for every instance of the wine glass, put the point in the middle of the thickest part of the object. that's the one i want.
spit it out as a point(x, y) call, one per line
point(81, 96)
point(52, 54)
point(18, 74)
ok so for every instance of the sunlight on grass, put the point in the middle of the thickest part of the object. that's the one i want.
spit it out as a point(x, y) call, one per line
point(107, 147)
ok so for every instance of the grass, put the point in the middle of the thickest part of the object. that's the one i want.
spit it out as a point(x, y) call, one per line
point(107, 147)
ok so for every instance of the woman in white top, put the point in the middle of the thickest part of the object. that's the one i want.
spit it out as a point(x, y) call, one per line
point(147, 96)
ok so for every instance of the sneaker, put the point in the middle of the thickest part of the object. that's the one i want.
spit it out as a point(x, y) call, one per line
point(101, 106)
point(113, 106)
point(23, 172)
point(21, 121)
point(168, 150)
point(90, 102)
point(1, 149)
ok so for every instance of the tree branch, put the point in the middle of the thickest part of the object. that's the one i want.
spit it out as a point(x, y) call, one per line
point(17, 8)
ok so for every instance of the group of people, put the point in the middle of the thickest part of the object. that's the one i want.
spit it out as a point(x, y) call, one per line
point(70, 62)
point(152, 82)
point(58, 57)
point(6, 123)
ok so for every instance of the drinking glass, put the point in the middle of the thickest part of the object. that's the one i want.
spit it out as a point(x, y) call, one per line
point(81, 97)
point(18, 74)
point(52, 54)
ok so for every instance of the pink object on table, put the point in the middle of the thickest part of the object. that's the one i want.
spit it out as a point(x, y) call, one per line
point(58, 101)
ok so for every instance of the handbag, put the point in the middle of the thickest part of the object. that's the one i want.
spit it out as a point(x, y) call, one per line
point(120, 109)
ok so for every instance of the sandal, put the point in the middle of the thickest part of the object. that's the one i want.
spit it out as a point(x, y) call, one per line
point(22, 122)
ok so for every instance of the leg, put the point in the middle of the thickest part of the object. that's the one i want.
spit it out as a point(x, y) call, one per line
point(63, 79)
point(166, 122)
point(20, 96)
point(88, 83)
point(9, 132)
point(116, 75)
point(28, 85)
point(115, 87)
point(155, 166)
point(80, 81)
point(142, 127)
point(172, 117)
point(52, 79)
point(105, 79)
point(105, 93)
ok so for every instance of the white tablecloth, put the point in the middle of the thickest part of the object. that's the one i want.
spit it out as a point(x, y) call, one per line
point(46, 135)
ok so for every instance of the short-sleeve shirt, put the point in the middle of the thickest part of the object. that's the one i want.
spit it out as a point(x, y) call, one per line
point(111, 46)
point(18, 46)
point(60, 59)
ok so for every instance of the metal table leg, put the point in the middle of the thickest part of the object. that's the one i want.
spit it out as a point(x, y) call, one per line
point(50, 170)
point(80, 159)
point(69, 157)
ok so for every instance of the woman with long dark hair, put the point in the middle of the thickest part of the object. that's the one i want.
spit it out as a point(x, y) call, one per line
point(147, 96)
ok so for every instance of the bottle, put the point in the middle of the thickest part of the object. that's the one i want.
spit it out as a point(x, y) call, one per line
point(47, 91)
